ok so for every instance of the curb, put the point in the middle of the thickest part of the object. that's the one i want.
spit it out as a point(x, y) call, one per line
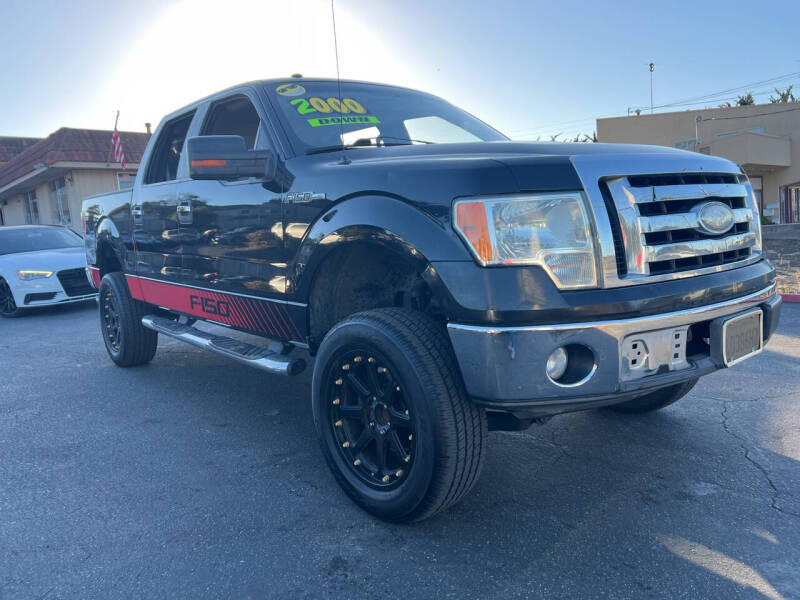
point(791, 297)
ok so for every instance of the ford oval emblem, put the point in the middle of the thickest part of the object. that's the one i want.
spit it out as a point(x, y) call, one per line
point(714, 217)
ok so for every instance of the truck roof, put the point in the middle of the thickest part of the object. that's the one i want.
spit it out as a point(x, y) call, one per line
point(276, 81)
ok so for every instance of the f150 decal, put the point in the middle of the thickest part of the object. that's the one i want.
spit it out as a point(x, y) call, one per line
point(265, 317)
point(210, 306)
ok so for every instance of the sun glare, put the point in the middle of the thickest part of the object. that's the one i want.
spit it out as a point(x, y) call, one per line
point(193, 49)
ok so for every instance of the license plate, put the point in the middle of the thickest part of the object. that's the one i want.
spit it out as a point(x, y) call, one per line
point(742, 337)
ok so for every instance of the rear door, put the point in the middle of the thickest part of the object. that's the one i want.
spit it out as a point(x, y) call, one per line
point(233, 232)
point(156, 232)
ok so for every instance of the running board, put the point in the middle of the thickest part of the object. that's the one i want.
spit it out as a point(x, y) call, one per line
point(265, 359)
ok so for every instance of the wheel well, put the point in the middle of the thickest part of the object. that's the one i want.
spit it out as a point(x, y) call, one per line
point(362, 276)
point(107, 259)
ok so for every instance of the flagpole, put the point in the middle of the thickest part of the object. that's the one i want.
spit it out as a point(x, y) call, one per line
point(116, 120)
point(108, 159)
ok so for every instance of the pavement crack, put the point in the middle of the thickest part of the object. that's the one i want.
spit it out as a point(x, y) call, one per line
point(560, 445)
point(747, 448)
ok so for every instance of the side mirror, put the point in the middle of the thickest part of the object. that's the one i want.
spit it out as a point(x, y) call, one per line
point(226, 157)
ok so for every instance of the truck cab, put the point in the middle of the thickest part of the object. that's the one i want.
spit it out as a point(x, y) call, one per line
point(443, 279)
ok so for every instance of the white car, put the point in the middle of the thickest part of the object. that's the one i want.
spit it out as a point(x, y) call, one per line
point(41, 265)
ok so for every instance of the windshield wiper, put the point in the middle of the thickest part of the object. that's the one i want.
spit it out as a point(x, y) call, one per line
point(366, 143)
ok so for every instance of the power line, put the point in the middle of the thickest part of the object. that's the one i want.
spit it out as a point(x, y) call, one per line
point(546, 130)
point(764, 114)
point(744, 87)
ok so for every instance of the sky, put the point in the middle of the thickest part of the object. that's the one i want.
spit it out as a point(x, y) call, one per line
point(532, 69)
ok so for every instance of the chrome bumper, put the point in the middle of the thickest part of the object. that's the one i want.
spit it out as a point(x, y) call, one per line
point(504, 367)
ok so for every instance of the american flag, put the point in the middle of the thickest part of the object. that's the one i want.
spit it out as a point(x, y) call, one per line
point(116, 147)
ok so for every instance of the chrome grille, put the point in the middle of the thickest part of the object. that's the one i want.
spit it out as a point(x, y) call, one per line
point(659, 228)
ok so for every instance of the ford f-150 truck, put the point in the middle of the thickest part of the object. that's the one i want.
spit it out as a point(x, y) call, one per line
point(446, 280)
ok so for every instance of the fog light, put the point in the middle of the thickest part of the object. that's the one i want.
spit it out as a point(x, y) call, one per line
point(556, 363)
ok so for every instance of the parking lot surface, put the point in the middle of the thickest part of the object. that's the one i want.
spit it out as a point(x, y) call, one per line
point(196, 477)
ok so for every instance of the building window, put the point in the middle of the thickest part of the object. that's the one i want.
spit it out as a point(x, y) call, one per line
point(60, 202)
point(31, 208)
point(790, 204)
point(125, 180)
point(770, 210)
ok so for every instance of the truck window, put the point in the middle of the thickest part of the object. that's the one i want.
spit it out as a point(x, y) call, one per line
point(167, 152)
point(233, 116)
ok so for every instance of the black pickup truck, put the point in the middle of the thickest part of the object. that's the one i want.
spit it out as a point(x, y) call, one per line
point(447, 281)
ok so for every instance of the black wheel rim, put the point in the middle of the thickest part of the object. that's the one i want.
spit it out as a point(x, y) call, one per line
point(7, 304)
point(370, 418)
point(111, 322)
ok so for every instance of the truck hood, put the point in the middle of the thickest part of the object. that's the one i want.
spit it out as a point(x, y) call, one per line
point(504, 149)
point(432, 175)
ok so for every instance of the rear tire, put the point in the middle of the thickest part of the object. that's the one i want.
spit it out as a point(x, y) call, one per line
point(387, 378)
point(654, 400)
point(128, 342)
point(8, 306)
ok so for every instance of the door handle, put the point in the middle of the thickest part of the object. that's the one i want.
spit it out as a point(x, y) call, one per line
point(185, 203)
point(184, 208)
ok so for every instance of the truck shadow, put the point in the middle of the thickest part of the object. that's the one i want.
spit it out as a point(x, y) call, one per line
point(700, 496)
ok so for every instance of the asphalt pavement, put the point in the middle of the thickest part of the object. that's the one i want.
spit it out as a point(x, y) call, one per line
point(195, 477)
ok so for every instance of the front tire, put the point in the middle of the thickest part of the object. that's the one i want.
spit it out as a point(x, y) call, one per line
point(128, 342)
point(393, 417)
point(654, 400)
point(8, 306)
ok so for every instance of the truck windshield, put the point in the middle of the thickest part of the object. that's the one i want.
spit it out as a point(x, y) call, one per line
point(317, 120)
point(32, 239)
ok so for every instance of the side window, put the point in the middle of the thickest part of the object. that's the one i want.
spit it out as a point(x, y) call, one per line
point(166, 155)
point(233, 116)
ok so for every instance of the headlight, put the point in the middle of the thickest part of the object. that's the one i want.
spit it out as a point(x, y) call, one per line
point(753, 202)
point(550, 230)
point(29, 275)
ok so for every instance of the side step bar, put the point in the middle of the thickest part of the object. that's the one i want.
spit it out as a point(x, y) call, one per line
point(254, 356)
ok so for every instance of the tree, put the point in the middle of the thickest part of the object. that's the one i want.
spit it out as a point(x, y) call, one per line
point(746, 100)
point(590, 138)
point(783, 97)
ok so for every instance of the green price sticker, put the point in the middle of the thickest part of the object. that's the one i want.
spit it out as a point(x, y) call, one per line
point(354, 120)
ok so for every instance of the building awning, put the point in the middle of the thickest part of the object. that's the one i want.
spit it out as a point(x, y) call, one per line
point(754, 152)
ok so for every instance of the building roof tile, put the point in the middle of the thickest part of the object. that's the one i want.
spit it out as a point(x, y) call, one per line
point(11, 146)
point(72, 145)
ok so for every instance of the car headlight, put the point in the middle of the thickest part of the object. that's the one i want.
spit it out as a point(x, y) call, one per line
point(550, 230)
point(29, 275)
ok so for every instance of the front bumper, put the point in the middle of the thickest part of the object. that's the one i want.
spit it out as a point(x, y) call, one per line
point(44, 292)
point(504, 367)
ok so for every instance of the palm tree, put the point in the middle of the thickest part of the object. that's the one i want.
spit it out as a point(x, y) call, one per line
point(783, 97)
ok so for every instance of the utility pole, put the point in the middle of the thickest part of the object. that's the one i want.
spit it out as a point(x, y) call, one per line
point(697, 120)
point(652, 68)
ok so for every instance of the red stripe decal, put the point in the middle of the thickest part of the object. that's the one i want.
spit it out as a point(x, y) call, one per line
point(135, 287)
point(95, 273)
point(242, 312)
point(281, 322)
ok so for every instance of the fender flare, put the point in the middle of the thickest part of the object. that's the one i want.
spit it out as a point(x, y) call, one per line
point(107, 233)
point(387, 221)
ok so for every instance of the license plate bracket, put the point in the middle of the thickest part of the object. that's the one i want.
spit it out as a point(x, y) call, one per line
point(737, 337)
